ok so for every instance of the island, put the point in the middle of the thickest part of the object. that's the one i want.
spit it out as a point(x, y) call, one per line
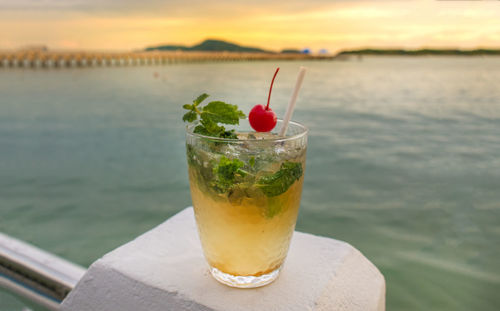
point(209, 45)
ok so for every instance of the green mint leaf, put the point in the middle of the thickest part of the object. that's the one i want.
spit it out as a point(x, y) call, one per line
point(190, 116)
point(226, 172)
point(200, 129)
point(241, 172)
point(199, 99)
point(229, 134)
point(220, 112)
point(211, 115)
point(212, 128)
point(217, 131)
point(279, 182)
point(274, 206)
point(227, 168)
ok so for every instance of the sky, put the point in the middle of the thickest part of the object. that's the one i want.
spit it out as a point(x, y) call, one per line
point(121, 25)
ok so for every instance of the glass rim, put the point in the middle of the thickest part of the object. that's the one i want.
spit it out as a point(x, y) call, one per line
point(304, 131)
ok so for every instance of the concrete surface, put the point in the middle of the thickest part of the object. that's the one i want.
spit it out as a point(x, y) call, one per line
point(164, 269)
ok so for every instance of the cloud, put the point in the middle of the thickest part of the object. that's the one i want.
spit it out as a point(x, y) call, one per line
point(126, 24)
point(167, 8)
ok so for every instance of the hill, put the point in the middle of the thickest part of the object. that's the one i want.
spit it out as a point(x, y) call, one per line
point(291, 51)
point(209, 45)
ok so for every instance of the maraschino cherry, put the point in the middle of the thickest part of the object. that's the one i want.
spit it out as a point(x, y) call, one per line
point(263, 119)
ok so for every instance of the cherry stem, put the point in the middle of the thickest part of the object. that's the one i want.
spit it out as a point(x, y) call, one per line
point(271, 88)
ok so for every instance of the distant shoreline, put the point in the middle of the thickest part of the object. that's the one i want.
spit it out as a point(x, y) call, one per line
point(420, 52)
point(214, 45)
point(53, 59)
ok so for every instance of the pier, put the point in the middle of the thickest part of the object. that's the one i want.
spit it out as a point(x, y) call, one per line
point(58, 59)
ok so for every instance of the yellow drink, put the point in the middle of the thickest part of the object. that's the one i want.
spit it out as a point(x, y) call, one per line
point(239, 238)
point(246, 197)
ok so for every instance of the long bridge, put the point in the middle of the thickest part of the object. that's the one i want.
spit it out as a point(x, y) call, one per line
point(64, 59)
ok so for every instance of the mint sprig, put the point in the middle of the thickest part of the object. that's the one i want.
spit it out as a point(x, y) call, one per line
point(211, 115)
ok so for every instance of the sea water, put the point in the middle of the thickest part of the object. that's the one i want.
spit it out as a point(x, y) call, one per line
point(403, 161)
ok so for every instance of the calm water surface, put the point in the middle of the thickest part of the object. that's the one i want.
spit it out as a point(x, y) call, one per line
point(403, 162)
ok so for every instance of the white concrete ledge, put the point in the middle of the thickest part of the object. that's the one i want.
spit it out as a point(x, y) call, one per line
point(164, 269)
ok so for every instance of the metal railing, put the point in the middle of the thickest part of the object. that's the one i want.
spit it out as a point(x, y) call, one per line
point(35, 274)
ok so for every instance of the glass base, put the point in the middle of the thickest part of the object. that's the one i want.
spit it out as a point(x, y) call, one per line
point(244, 281)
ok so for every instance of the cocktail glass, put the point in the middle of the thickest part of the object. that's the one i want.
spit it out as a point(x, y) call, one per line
point(246, 196)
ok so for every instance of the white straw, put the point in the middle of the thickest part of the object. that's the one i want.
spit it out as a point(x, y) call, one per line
point(293, 100)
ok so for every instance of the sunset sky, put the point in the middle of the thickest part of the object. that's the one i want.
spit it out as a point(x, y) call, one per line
point(271, 24)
